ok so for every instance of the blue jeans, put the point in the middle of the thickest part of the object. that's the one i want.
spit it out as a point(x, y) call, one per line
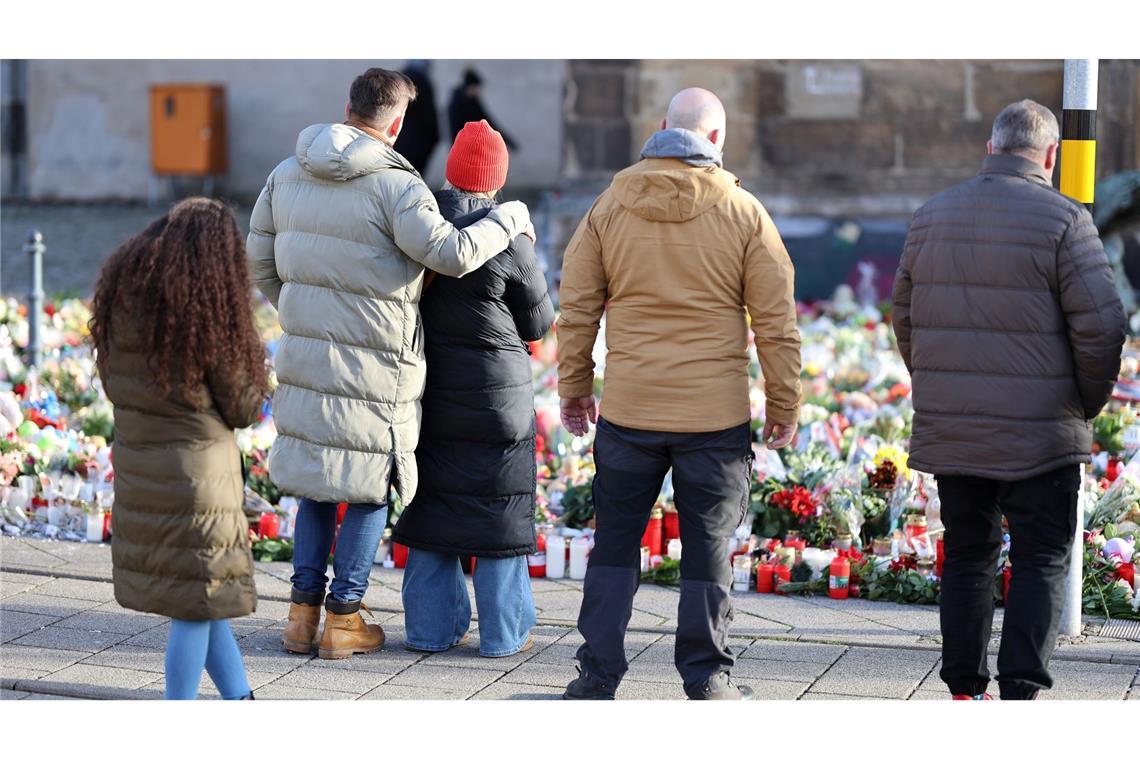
point(437, 611)
point(194, 645)
point(360, 534)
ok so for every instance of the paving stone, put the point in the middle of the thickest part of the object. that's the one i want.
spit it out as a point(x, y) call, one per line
point(130, 657)
point(770, 690)
point(778, 670)
point(468, 657)
point(745, 624)
point(557, 654)
point(39, 658)
point(94, 675)
point(652, 671)
point(206, 689)
point(867, 674)
point(813, 695)
point(445, 678)
point(17, 583)
point(640, 690)
point(516, 692)
point(389, 691)
point(55, 606)
point(272, 691)
point(97, 622)
point(927, 656)
point(11, 694)
point(14, 624)
point(353, 681)
point(53, 697)
point(541, 674)
point(793, 651)
point(387, 660)
point(56, 637)
point(78, 589)
point(152, 638)
point(21, 674)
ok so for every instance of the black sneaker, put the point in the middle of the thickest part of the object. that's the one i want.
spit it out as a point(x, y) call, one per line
point(720, 686)
point(589, 686)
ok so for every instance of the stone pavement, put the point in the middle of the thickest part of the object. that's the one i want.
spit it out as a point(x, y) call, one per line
point(62, 635)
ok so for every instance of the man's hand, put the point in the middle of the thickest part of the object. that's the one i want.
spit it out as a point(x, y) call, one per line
point(518, 213)
point(783, 435)
point(529, 232)
point(578, 413)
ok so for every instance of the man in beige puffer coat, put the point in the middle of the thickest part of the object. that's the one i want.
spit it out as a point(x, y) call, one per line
point(339, 242)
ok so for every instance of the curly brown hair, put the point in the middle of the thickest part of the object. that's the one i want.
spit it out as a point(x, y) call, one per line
point(183, 283)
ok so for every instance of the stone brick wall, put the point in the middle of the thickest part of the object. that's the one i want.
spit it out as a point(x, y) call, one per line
point(836, 137)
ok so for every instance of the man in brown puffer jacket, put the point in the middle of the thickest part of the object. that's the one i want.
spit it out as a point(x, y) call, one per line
point(1008, 320)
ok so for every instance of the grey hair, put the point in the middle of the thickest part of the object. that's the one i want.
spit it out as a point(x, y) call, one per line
point(1024, 125)
point(489, 194)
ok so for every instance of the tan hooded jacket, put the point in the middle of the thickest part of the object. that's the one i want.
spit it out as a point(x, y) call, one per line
point(675, 254)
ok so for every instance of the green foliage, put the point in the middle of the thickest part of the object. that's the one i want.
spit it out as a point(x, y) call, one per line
point(1100, 592)
point(668, 573)
point(272, 550)
point(897, 584)
point(1108, 430)
point(578, 505)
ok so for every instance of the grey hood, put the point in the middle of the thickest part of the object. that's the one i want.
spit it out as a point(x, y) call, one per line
point(683, 144)
point(340, 152)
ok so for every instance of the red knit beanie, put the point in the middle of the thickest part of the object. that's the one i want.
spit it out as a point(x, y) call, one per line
point(478, 159)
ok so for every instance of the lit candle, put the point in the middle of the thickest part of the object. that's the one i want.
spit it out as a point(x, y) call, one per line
point(95, 526)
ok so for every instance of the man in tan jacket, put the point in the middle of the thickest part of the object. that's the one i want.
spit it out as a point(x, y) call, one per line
point(674, 252)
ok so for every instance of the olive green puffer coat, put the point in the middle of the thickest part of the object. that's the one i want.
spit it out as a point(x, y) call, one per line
point(181, 539)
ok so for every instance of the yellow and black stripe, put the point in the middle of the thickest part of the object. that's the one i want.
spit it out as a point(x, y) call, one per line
point(1078, 154)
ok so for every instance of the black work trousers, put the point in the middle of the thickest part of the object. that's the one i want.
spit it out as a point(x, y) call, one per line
point(711, 475)
point(1042, 522)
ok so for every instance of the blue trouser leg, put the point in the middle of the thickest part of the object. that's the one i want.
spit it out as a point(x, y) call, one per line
point(195, 645)
point(312, 542)
point(505, 603)
point(223, 662)
point(437, 610)
point(360, 534)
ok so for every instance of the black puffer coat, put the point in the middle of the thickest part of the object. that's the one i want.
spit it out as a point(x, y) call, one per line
point(476, 453)
point(1007, 318)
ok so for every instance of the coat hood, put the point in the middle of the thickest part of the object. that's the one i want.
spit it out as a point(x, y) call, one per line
point(340, 152)
point(669, 190)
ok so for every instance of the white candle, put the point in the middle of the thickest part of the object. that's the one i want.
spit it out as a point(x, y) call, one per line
point(95, 526)
point(579, 551)
point(674, 550)
point(555, 557)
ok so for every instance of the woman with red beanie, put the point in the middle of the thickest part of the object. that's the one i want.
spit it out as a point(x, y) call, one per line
point(476, 454)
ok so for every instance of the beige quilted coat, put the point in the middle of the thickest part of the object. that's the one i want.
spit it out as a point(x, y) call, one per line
point(339, 241)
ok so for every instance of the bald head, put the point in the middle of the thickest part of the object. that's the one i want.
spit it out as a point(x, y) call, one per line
point(697, 110)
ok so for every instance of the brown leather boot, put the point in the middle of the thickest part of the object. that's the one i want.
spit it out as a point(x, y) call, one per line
point(346, 633)
point(302, 631)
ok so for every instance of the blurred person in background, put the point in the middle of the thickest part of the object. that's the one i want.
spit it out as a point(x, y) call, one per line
point(1008, 320)
point(477, 451)
point(678, 255)
point(467, 106)
point(417, 140)
point(340, 240)
point(184, 366)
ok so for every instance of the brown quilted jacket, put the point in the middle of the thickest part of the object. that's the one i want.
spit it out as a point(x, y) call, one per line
point(1008, 320)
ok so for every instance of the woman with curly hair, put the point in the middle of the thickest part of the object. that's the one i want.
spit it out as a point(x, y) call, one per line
point(182, 362)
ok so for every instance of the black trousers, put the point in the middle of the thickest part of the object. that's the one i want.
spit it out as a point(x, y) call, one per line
point(711, 473)
point(1042, 522)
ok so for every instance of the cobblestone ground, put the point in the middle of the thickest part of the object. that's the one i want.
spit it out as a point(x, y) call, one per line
point(63, 636)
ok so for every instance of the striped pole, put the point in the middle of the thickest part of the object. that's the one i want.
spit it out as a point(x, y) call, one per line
point(1078, 175)
point(1078, 130)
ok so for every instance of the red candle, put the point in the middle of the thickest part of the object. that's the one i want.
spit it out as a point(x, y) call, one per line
point(783, 575)
point(107, 525)
point(268, 525)
point(839, 578)
point(1006, 578)
point(672, 525)
point(765, 578)
point(651, 539)
point(1127, 571)
point(399, 554)
point(941, 555)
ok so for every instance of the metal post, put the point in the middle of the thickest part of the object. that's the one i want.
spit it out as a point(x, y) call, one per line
point(35, 248)
point(1078, 130)
point(1071, 611)
point(1078, 177)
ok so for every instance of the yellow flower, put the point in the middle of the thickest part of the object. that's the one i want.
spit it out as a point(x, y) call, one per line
point(895, 456)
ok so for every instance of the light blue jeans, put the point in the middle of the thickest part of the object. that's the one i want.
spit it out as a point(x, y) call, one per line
point(194, 645)
point(437, 611)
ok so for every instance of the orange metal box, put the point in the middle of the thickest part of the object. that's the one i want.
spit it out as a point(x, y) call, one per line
point(188, 129)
